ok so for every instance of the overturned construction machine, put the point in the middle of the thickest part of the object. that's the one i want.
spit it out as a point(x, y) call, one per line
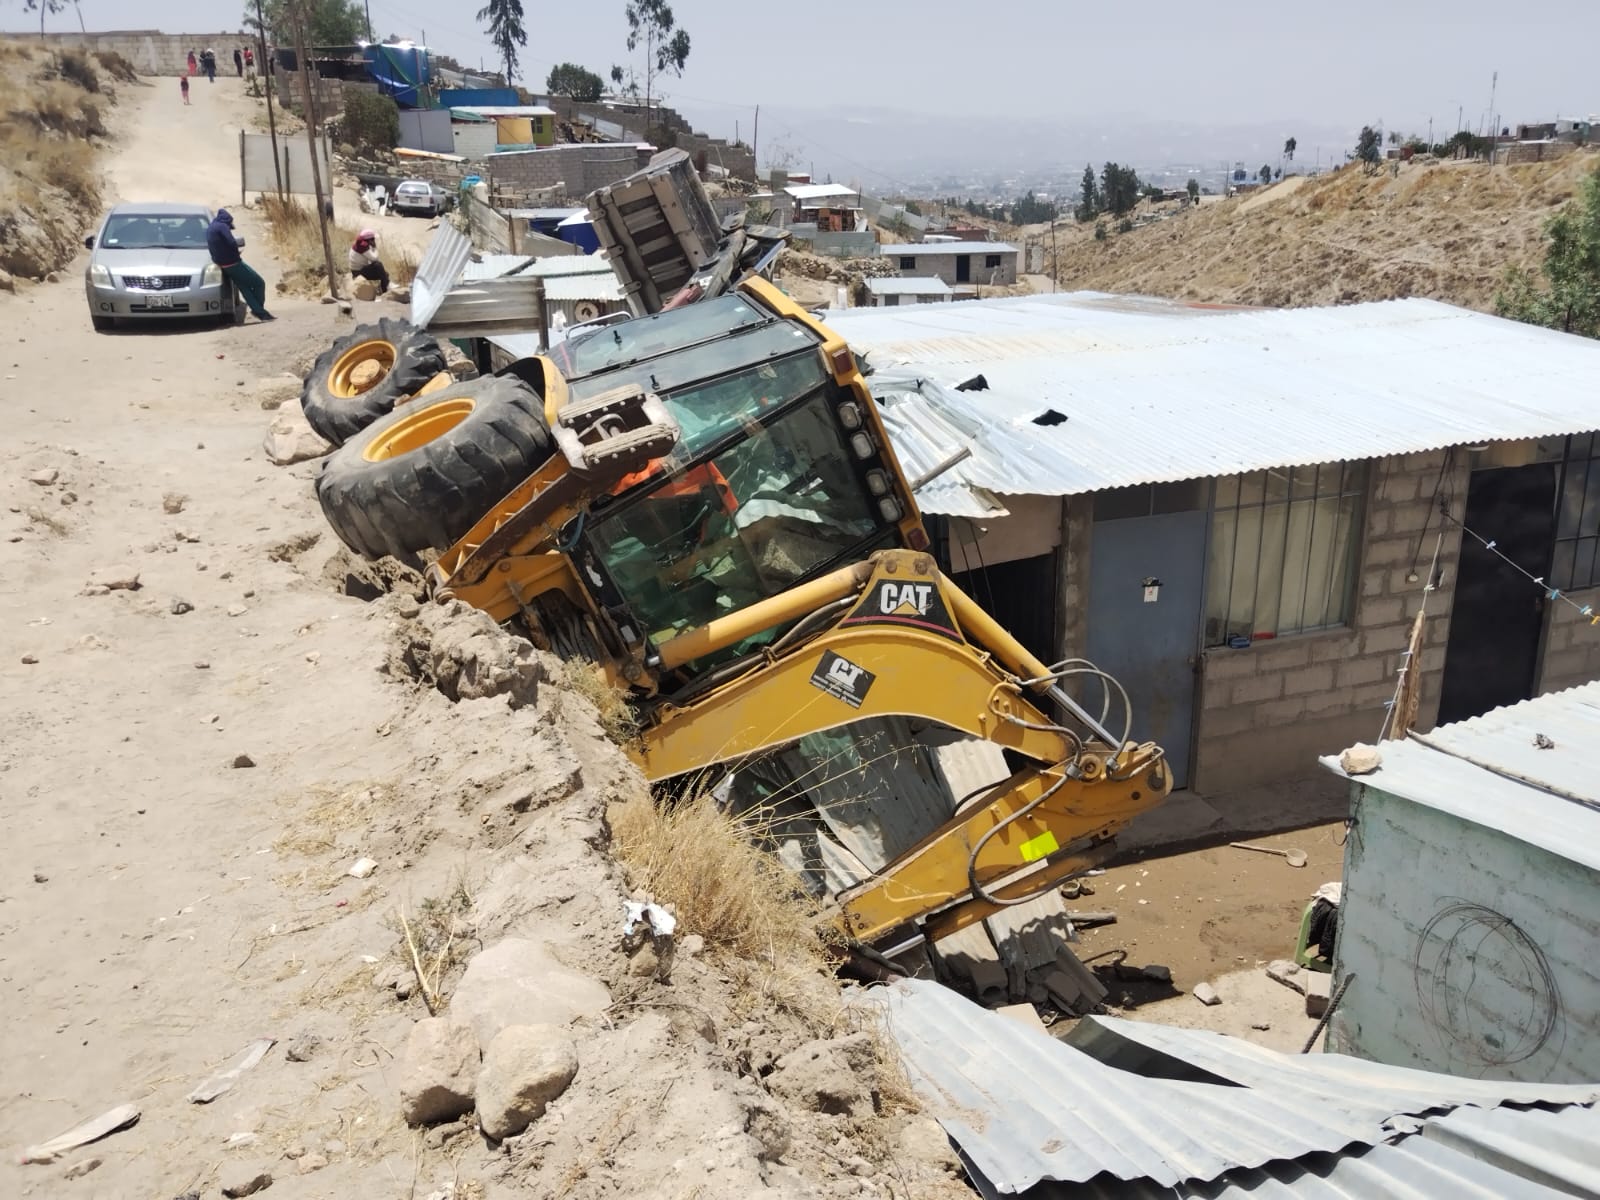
point(703, 502)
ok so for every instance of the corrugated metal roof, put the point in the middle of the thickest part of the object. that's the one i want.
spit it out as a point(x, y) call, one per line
point(1024, 1107)
point(1155, 391)
point(1490, 770)
point(493, 266)
point(908, 285)
point(438, 272)
point(819, 191)
point(503, 110)
point(922, 249)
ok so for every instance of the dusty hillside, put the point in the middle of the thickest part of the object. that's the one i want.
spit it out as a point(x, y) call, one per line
point(53, 109)
point(1444, 230)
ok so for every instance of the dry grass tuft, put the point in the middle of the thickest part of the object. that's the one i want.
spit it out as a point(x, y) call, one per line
point(587, 680)
point(37, 516)
point(297, 235)
point(116, 66)
point(711, 869)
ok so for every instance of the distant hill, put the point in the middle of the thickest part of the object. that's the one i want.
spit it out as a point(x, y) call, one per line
point(1444, 230)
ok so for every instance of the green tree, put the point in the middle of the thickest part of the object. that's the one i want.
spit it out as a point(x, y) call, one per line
point(328, 22)
point(666, 47)
point(1119, 188)
point(914, 208)
point(1194, 191)
point(504, 21)
point(1265, 174)
point(1369, 145)
point(370, 120)
point(1569, 298)
point(44, 7)
point(1289, 147)
point(1089, 203)
point(569, 79)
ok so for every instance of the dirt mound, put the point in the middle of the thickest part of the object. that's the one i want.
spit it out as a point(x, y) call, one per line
point(52, 125)
point(1444, 230)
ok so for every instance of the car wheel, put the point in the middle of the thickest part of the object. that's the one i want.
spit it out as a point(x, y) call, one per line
point(104, 324)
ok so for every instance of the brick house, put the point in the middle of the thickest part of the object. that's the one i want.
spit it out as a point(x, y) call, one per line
point(1238, 513)
point(957, 262)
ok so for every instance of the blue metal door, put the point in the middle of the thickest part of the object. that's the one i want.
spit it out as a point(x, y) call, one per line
point(1146, 595)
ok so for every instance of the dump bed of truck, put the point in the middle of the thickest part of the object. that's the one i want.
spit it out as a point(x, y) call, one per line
point(658, 228)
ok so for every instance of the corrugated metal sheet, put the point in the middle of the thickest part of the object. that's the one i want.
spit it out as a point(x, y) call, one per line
point(1508, 783)
point(820, 191)
point(1025, 1108)
point(493, 266)
point(908, 285)
point(924, 249)
point(441, 266)
point(1155, 391)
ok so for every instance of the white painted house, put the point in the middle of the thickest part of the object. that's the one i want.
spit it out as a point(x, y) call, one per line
point(1471, 903)
point(897, 290)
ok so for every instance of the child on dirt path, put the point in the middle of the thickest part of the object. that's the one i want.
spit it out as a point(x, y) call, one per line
point(183, 86)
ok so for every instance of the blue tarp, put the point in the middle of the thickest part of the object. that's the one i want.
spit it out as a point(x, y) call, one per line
point(400, 71)
point(478, 98)
point(580, 234)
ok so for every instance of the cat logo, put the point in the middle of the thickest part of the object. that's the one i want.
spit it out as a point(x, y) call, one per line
point(842, 679)
point(904, 599)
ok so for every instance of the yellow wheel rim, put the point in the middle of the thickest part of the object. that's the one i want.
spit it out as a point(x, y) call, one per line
point(340, 381)
point(419, 427)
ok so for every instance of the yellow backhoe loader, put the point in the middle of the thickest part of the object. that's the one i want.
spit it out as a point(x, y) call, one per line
point(703, 502)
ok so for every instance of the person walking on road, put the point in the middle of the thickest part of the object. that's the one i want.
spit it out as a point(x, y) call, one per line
point(183, 86)
point(238, 61)
point(208, 60)
point(224, 247)
point(194, 64)
point(364, 260)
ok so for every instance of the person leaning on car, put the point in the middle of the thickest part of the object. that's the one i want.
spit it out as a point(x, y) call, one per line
point(364, 260)
point(224, 247)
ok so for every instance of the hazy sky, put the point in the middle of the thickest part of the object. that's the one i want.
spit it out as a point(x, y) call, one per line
point(1223, 62)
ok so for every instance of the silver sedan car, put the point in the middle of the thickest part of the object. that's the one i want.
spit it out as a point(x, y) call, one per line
point(419, 196)
point(150, 262)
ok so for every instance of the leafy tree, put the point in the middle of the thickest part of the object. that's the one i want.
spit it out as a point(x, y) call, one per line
point(1570, 297)
point(370, 120)
point(504, 19)
point(569, 79)
point(1265, 174)
point(1289, 147)
point(328, 22)
point(1119, 188)
point(666, 47)
point(1030, 210)
point(1089, 205)
point(1369, 145)
point(45, 7)
point(913, 208)
point(1194, 191)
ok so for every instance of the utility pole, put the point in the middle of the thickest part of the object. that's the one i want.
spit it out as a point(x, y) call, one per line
point(311, 141)
point(267, 78)
point(755, 138)
point(370, 38)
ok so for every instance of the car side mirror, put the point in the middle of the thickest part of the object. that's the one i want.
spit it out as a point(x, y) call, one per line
point(88, 242)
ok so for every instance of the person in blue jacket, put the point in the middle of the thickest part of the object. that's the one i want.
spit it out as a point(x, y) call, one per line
point(224, 247)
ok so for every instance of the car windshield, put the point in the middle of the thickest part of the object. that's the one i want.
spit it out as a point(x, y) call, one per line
point(138, 231)
point(647, 337)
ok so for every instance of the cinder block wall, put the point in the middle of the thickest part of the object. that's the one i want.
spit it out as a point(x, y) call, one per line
point(1572, 645)
point(155, 53)
point(943, 266)
point(1404, 862)
point(582, 168)
point(1266, 713)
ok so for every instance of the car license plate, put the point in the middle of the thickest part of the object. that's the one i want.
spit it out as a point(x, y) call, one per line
point(158, 301)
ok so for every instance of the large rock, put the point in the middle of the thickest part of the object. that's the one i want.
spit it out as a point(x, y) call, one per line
point(832, 1076)
point(438, 1071)
point(244, 1179)
point(290, 440)
point(519, 982)
point(364, 289)
point(462, 651)
point(278, 389)
point(524, 1069)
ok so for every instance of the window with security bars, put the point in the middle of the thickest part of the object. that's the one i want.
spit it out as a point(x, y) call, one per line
point(1577, 547)
point(1284, 548)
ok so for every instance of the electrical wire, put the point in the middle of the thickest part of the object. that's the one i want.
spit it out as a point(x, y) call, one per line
point(1539, 581)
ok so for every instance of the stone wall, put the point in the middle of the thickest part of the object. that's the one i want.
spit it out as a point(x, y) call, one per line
point(1267, 712)
point(154, 53)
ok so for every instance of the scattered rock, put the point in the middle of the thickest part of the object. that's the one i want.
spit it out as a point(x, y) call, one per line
point(241, 761)
point(518, 982)
point(1287, 973)
point(691, 945)
point(303, 1048)
point(1360, 759)
point(407, 606)
point(365, 289)
point(346, 308)
point(644, 963)
point(172, 503)
point(29, 660)
point(45, 477)
point(238, 1141)
point(438, 1071)
point(115, 579)
point(362, 867)
point(79, 1170)
point(1261, 1026)
point(524, 1068)
point(237, 610)
point(201, 664)
point(766, 1121)
point(1157, 974)
point(291, 440)
point(52, 277)
point(312, 1162)
point(40, 877)
point(829, 1076)
point(1206, 994)
point(466, 656)
point(179, 607)
point(398, 295)
point(243, 1179)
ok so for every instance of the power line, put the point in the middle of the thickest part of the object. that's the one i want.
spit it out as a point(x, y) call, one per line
point(1539, 581)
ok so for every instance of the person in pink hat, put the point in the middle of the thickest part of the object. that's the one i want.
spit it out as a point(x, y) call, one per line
point(364, 260)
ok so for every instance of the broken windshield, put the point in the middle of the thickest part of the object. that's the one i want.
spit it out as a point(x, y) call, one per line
point(647, 337)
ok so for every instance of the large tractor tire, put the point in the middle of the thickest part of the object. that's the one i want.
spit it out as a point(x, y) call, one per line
point(363, 375)
point(420, 477)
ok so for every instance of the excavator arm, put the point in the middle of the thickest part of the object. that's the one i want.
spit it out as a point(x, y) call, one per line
point(891, 636)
